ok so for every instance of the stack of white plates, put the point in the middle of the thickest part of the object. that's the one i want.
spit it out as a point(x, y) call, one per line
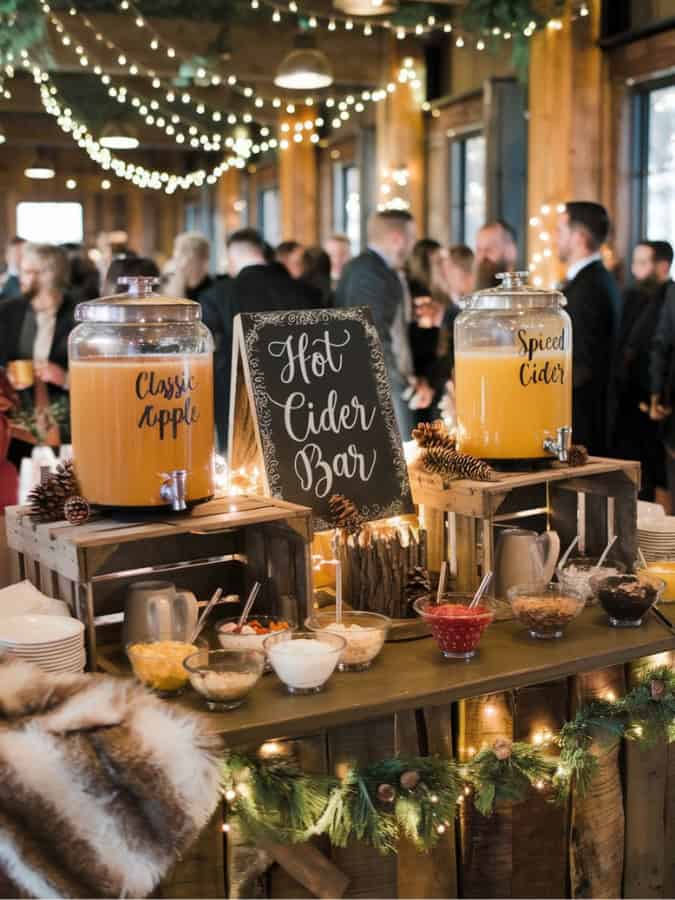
point(656, 537)
point(55, 643)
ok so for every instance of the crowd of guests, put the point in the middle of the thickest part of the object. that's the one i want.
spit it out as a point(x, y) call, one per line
point(623, 339)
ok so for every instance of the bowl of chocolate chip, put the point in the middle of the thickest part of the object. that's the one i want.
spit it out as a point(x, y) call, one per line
point(627, 598)
point(545, 609)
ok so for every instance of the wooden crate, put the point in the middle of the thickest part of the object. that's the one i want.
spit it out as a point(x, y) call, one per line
point(229, 542)
point(595, 501)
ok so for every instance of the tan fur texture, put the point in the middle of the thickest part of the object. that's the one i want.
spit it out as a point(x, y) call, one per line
point(102, 786)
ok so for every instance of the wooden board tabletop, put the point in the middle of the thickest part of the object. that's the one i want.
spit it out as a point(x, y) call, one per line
point(412, 674)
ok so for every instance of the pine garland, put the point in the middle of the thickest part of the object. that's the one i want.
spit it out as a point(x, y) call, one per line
point(417, 797)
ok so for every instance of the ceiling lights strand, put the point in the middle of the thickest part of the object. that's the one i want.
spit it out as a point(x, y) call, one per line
point(172, 95)
point(170, 122)
point(340, 108)
point(364, 24)
point(137, 174)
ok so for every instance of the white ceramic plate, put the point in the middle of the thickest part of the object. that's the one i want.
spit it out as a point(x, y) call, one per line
point(37, 629)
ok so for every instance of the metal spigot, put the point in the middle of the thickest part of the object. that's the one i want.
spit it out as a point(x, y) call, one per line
point(173, 489)
point(560, 446)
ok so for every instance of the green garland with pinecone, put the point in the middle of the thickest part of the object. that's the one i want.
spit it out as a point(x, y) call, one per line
point(416, 797)
point(440, 455)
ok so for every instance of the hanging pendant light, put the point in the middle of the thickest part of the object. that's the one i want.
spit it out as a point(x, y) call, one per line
point(119, 135)
point(366, 7)
point(41, 168)
point(305, 68)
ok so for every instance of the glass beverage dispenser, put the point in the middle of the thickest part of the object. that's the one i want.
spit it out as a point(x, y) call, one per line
point(141, 391)
point(513, 373)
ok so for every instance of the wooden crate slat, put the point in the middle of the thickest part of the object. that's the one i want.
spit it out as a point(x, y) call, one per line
point(483, 498)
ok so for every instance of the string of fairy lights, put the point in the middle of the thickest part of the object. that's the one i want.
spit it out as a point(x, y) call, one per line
point(182, 115)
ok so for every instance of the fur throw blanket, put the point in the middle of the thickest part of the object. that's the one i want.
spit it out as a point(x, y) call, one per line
point(102, 786)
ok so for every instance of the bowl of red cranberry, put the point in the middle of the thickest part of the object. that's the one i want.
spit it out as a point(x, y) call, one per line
point(456, 628)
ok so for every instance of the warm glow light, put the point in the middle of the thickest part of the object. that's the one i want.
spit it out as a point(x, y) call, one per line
point(433, 798)
point(41, 173)
point(540, 785)
point(230, 795)
point(610, 696)
point(490, 709)
point(226, 827)
point(105, 184)
point(270, 748)
point(71, 184)
point(119, 142)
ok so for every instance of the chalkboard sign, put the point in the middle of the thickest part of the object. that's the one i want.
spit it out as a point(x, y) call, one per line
point(311, 401)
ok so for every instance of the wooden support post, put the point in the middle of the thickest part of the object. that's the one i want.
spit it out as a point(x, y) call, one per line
point(539, 826)
point(650, 798)
point(400, 130)
point(486, 842)
point(299, 179)
point(597, 829)
point(442, 878)
point(371, 873)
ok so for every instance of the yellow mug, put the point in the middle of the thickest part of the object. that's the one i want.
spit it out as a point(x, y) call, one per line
point(21, 373)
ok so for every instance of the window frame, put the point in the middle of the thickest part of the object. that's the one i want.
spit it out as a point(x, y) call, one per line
point(639, 177)
point(268, 189)
point(457, 181)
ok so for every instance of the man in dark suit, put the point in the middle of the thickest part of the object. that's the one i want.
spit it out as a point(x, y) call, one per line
point(10, 287)
point(593, 304)
point(253, 286)
point(373, 279)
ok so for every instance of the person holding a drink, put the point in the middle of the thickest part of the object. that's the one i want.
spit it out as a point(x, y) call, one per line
point(34, 343)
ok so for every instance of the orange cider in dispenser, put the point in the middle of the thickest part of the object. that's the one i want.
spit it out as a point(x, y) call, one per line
point(134, 419)
point(141, 400)
point(513, 373)
point(510, 404)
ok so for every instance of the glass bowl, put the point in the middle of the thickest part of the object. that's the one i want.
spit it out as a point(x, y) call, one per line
point(224, 677)
point(665, 570)
point(304, 661)
point(253, 635)
point(364, 632)
point(626, 598)
point(576, 575)
point(545, 610)
point(159, 664)
point(456, 628)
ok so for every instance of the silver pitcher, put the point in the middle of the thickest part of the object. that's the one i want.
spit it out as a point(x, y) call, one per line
point(525, 557)
point(156, 611)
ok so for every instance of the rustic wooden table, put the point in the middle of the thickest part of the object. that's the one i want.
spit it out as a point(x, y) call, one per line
point(615, 841)
point(412, 674)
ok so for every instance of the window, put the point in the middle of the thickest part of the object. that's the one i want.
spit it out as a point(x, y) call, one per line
point(50, 223)
point(269, 215)
point(654, 182)
point(347, 203)
point(467, 180)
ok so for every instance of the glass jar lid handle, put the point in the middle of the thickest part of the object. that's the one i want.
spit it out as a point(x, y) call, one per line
point(512, 279)
point(139, 285)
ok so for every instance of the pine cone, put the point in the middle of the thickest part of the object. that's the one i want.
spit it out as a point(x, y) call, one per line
point(433, 434)
point(467, 466)
point(47, 499)
point(577, 455)
point(440, 460)
point(66, 477)
point(450, 462)
point(76, 510)
point(418, 584)
point(343, 513)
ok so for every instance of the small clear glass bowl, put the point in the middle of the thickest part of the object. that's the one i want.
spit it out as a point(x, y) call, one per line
point(233, 640)
point(456, 628)
point(545, 609)
point(627, 598)
point(364, 632)
point(159, 664)
point(304, 669)
point(576, 575)
point(224, 677)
